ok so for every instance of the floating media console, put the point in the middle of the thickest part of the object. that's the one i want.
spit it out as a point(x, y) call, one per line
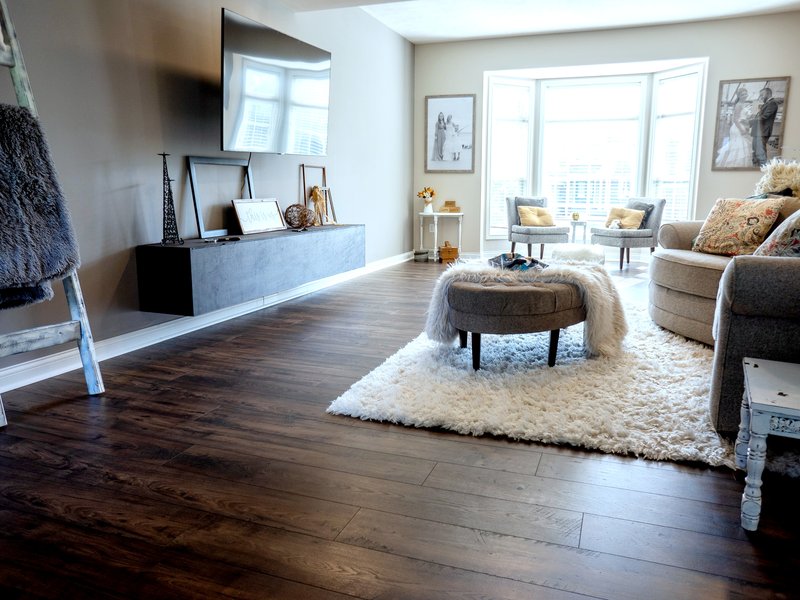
point(201, 276)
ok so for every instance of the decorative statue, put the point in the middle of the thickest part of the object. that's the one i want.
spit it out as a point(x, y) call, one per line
point(320, 205)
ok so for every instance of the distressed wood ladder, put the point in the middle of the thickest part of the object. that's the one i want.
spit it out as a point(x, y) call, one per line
point(77, 329)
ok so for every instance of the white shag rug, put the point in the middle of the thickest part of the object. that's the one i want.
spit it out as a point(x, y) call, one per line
point(651, 401)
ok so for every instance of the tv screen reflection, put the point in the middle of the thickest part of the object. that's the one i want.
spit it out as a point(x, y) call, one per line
point(275, 90)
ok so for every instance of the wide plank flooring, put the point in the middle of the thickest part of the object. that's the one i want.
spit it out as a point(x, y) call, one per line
point(209, 469)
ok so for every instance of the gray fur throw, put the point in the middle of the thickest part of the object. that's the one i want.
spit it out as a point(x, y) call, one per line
point(605, 327)
point(37, 243)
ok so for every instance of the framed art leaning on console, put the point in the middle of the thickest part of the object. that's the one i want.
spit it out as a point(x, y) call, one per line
point(213, 188)
point(257, 215)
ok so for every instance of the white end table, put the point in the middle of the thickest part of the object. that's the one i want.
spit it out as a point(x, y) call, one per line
point(770, 406)
point(436, 216)
point(575, 225)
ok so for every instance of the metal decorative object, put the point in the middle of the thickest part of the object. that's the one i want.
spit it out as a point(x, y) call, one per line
point(170, 223)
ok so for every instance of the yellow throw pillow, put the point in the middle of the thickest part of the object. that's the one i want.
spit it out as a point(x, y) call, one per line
point(736, 226)
point(534, 216)
point(629, 218)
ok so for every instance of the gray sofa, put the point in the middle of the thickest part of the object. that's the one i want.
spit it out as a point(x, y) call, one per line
point(684, 284)
point(743, 306)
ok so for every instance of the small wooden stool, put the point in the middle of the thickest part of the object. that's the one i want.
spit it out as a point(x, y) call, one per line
point(495, 307)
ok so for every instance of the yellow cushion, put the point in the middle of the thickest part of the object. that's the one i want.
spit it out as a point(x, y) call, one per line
point(629, 218)
point(736, 226)
point(534, 216)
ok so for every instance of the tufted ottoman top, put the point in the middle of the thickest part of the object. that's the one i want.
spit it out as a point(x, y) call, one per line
point(499, 307)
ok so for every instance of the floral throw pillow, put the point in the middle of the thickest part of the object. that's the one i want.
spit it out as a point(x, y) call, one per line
point(784, 241)
point(737, 226)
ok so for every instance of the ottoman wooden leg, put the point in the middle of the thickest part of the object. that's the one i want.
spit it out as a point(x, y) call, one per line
point(476, 350)
point(551, 356)
point(462, 338)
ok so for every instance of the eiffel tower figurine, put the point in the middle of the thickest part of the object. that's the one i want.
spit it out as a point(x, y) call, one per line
point(170, 224)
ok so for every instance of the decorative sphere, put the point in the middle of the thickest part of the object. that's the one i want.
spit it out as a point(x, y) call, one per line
point(298, 216)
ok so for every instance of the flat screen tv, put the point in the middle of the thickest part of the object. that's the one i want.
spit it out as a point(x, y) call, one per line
point(275, 90)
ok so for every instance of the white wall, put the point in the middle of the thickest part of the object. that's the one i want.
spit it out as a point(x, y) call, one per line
point(752, 47)
point(118, 81)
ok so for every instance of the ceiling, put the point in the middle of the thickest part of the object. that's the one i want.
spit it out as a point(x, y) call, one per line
point(427, 21)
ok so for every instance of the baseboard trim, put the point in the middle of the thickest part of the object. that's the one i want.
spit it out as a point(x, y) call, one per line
point(38, 369)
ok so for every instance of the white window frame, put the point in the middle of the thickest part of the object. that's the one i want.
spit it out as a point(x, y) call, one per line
point(650, 72)
point(700, 70)
point(521, 82)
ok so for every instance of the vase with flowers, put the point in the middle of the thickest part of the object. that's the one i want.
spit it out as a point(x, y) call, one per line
point(427, 194)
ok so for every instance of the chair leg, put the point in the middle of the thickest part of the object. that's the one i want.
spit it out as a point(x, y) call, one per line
point(541, 251)
point(628, 255)
point(513, 246)
point(462, 338)
point(476, 350)
point(530, 252)
point(551, 355)
point(621, 257)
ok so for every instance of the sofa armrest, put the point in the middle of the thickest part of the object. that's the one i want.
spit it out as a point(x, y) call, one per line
point(679, 235)
point(757, 315)
point(761, 286)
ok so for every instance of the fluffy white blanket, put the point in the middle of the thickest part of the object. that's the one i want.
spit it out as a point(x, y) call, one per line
point(605, 326)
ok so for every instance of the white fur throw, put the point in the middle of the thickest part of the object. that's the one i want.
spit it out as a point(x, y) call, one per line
point(605, 326)
point(779, 175)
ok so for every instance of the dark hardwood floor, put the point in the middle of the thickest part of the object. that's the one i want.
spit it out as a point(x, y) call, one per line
point(209, 469)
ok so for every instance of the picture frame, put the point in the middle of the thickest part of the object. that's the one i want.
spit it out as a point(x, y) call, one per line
point(751, 114)
point(257, 215)
point(203, 209)
point(450, 134)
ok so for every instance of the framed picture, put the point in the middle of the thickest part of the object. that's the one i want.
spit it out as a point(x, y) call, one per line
point(450, 134)
point(750, 122)
point(258, 215)
point(212, 206)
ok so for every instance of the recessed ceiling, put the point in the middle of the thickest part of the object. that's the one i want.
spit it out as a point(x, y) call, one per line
point(427, 21)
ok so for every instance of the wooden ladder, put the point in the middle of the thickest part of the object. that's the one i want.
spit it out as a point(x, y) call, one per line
point(77, 329)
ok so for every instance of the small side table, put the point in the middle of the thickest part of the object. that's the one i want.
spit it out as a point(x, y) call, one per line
point(574, 225)
point(435, 216)
point(770, 406)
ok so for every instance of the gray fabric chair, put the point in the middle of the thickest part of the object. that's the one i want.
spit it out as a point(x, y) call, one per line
point(532, 235)
point(625, 239)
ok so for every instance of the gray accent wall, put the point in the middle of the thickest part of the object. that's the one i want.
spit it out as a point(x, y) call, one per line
point(118, 81)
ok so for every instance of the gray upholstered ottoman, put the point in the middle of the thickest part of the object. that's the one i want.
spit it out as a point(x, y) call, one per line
point(513, 308)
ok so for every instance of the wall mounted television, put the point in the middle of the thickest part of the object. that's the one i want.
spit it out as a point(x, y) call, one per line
point(275, 90)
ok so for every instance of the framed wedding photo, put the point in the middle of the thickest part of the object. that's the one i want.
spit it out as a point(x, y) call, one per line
point(450, 134)
point(750, 119)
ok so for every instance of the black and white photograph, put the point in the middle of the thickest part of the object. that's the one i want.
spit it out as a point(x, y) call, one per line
point(450, 134)
point(750, 119)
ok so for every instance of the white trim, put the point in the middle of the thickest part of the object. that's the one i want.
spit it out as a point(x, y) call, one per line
point(31, 371)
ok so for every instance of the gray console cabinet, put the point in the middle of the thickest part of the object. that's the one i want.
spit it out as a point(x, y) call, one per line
point(200, 276)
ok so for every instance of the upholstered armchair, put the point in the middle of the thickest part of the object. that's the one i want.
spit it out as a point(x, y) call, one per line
point(530, 235)
point(625, 239)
